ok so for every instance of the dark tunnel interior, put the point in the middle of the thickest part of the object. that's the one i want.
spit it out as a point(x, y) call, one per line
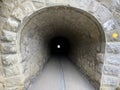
point(59, 46)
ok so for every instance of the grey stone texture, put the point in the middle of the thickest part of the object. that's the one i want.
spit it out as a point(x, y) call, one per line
point(25, 27)
point(113, 47)
point(7, 48)
point(8, 36)
point(8, 60)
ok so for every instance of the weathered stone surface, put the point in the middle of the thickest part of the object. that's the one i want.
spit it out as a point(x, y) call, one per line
point(1, 75)
point(106, 3)
point(82, 4)
point(118, 88)
point(102, 14)
point(12, 71)
point(98, 77)
point(113, 59)
point(9, 59)
point(15, 88)
point(111, 70)
point(5, 10)
point(28, 7)
point(13, 3)
point(100, 68)
point(25, 8)
point(106, 87)
point(1, 86)
point(110, 38)
point(18, 13)
point(38, 4)
point(2, 21)
point(8, 36)
point(8, 48)
point(115, 5)
point(93, 6)
point(113, 47)
point(56, 1)
point(109, 80)
point(11, 24)
point(117, 16)
point(111, 24)
point(100, 57)
point(15, 81)
point(0, 62)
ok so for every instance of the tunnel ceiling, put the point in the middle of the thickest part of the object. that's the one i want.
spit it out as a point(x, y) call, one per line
point(65, 21)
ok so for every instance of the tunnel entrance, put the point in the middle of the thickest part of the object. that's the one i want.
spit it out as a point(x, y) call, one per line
point(62, 31)
point(59, 46)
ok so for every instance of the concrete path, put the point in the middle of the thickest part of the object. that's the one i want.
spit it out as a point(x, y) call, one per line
point(60, 74)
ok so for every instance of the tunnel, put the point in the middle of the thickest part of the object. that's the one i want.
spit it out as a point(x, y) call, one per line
point(62, 32)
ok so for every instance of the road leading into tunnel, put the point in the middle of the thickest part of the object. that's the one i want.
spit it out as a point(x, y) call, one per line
point(60, 74)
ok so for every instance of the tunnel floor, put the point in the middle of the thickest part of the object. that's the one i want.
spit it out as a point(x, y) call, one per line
point(60, 74)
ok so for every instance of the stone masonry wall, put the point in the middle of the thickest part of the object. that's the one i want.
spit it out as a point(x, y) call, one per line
point(14, 12)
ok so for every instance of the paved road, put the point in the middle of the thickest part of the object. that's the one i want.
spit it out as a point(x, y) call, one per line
point(60, 74)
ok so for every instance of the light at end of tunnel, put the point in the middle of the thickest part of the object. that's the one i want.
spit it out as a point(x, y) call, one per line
point(58, 46)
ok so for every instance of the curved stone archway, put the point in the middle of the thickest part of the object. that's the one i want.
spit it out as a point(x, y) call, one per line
point(84, 32)
point(11, 67)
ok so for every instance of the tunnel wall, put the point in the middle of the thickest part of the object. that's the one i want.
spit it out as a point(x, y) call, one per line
point(33, 56)
point(89, 61)
point(14, 13)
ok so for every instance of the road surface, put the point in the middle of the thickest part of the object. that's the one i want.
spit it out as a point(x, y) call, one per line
point(60, 74)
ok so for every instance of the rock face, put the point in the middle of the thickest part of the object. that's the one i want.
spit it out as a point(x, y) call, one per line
point(93, 26)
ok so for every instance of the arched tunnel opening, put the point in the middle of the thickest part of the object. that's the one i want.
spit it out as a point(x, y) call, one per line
point(62, 31)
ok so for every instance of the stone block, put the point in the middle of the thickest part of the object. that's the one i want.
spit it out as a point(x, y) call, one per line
point(13, 3)
point(0, 61)
point(115, 5)
point(116, 15)
point(113, 47)
point(111, 38)
point(105, 87)
point(12, 71)
point(111, 24)
point(109, 80)
point(15, 81)
point(113, 59)
point(9, 59)
point(8, 48)
point(111, 70)
point(1, 86)
point(106, 3)
point(18, 13)
point(93, 6)
point(2, 21)
point(15, 88)
point(38, 4)
point(5, 10)
point(8, 36)
point(56, 1)
point(28, 7)
point(12, 24)
point(102, 14)
point(1, 75)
